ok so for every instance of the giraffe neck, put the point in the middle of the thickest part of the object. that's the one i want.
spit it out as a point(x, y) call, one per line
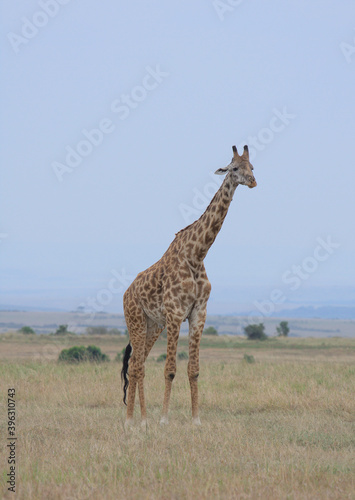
point(202, 233)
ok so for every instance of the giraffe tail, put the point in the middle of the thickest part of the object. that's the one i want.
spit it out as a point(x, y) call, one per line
point(124, 371)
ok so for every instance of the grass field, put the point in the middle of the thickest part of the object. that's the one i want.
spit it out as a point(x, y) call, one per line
point(282, 427)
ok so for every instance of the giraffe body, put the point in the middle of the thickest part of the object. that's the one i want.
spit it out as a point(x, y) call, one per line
point(175, 289)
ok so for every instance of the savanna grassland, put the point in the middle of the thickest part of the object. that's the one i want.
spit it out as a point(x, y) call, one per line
point(281, 427)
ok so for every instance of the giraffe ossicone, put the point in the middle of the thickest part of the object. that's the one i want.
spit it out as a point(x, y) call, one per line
point(174, 289)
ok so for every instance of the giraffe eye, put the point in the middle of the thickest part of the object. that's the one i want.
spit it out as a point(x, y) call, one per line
point(235, 169)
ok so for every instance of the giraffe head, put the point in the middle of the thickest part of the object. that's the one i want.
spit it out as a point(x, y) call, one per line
point(240, 170)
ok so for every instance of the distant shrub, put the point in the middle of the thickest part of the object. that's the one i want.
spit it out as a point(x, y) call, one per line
point(255, 332)
point(161, 358)
point(183, 355)
point(62, 330)
point(283, 329)
point(78, 354)
point(210, 330)
point(119, 355)
point(27, 330)
point(248, 358)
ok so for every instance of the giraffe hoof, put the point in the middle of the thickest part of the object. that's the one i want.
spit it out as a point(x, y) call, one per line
point(196, 421)
point(128, 424)
point(164, 421)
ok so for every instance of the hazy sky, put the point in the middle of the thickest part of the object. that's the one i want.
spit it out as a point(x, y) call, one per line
point(115, 116)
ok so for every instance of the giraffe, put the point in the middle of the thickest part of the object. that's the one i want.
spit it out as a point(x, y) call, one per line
point(175, 289)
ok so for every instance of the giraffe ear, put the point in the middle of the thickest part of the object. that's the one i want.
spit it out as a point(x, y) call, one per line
point(246, 152)
point(235, 153)
point(221, 171)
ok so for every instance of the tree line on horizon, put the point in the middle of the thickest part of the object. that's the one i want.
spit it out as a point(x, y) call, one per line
point(252, 331)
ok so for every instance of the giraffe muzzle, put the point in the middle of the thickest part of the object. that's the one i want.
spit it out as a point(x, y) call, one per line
point(252, 182)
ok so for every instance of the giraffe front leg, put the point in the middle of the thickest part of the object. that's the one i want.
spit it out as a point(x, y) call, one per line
point(173, 331)
point(196, 324)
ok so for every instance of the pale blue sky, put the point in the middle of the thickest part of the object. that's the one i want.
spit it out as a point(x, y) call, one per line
point(223, 82)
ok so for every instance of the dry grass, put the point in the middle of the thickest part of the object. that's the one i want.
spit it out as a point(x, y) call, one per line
point(279, 428)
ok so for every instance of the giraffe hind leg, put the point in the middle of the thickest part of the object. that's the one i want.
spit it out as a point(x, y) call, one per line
point(137, 329)
point(136, 377)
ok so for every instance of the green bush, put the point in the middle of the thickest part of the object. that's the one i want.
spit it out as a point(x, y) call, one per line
point(283, 329)
point(78, 354)
point(74, 354)
point(161, 358)
point(248, 358)
point(94, 354)
point(210, 330)
point(255, 332)
point(27, 330)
